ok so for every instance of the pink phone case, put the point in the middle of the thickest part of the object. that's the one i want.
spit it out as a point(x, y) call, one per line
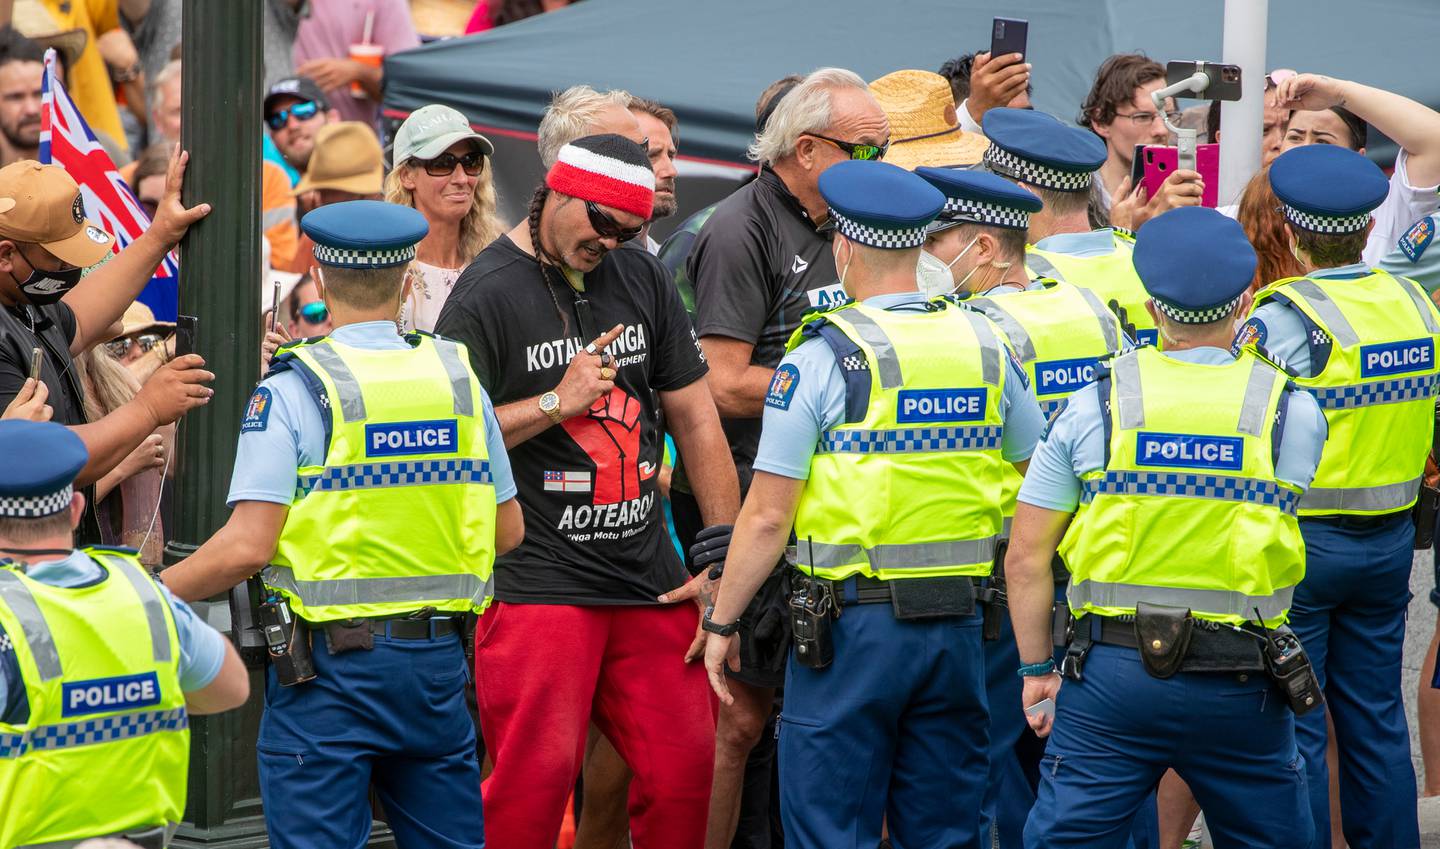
point(1161, 161)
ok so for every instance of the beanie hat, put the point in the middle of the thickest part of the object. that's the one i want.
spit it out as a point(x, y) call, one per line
point(607, 169)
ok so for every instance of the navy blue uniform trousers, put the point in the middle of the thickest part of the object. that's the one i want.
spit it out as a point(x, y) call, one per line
point(395, 716)
point(895, 726)
point(1230, 736)
point(1349, 613)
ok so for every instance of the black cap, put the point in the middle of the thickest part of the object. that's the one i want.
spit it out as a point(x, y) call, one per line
point(301, 87)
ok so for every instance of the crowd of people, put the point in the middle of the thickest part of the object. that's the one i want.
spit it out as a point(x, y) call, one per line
point(878, 415)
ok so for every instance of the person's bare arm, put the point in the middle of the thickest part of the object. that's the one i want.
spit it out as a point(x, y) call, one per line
point(242, 547)
point(173, 390)
point(229, 689)
point(1413, 126)
point(101, 297)
point(693, 422)
point(1030, 589)
point(578, 389)
point(509, 526)
point(737, 384)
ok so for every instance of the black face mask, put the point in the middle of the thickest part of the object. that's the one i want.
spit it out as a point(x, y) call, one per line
point(47, 287)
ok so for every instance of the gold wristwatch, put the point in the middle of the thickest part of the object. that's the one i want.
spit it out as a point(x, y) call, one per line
point(550, 406)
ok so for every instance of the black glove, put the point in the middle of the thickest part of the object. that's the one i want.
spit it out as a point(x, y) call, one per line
point(709, 550)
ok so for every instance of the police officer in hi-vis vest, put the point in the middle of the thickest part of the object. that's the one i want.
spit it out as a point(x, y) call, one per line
point(1170, 487)
point(1059, 332)
point(887, 428)
point(1058, 162)
point(100, 667)
point(372, 486)
point(1363, 342)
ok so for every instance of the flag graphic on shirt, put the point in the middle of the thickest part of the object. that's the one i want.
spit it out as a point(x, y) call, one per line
point(66, 140)
point(567, 481)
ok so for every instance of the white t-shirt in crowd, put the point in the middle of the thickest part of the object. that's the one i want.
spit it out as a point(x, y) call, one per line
point(430, 285)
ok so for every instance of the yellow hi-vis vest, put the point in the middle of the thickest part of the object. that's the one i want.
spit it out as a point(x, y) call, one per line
point(401, 514)
point(1059, 333)
point(908, 486)
point(1376, 385)
point(1187, 510)
point(106, 746)
point(1111, 276)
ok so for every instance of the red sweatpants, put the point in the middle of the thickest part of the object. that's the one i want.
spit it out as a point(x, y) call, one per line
point(543, 670)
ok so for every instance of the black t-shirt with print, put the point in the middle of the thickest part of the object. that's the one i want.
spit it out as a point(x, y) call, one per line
point(594, 533)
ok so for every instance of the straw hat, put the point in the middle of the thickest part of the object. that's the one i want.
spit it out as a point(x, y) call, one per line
point(346, 157)
point(923, 126)
point(31, 19)
point(138, 317)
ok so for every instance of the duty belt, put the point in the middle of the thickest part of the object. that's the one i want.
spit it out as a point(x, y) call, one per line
point(1213, 647)
point(859, 589)
point(405, 629)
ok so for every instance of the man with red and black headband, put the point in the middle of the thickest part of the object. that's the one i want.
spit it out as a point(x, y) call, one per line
point(584, 348)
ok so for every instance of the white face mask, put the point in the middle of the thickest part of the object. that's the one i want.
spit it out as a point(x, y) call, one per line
point(933, 274)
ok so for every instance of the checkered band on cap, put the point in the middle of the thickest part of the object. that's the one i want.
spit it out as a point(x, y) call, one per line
point(35, 506)
point(357, 258)
point(1325, 223)
point(1204, 316)
point(981, 212)
point(1004, 162)
point(911, 237)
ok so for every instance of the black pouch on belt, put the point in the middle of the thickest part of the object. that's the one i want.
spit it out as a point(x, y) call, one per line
point(348, 635)
point(1162, 634)
point(932, 598)
point(1423, 515)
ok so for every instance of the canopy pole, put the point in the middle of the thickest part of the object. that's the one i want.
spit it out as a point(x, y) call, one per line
point(1243, 121)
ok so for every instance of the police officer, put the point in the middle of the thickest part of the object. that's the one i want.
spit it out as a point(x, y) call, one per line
point(1058, 163)
point(1173, 481)
point(886, 429)
point(1059, 332)
point(1363, 341)
point(100, 668)
point(372, 479)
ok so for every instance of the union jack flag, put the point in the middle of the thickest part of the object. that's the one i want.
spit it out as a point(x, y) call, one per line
point(66, 140)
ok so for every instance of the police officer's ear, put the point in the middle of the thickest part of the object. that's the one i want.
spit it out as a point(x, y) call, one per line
point(319, 282)
point(1155, 315)
point(987, 248)
point(77, 510)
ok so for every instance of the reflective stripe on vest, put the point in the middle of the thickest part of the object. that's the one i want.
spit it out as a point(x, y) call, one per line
point(1220, 602)
point(1020, 339)
point(352, 401)
point(154, 612)
point(921, 555)
point(1375, 392)
point(397, 473)
point(1335, 322)
point(1387, 497)
point(344, 591)
point(132, 834)
point(103, 730)
point(42, 645)
point(886, 363)
point(910, 440)
point(1218, 487)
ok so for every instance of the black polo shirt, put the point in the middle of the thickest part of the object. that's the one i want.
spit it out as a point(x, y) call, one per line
point(51, 329)
point(758, 266)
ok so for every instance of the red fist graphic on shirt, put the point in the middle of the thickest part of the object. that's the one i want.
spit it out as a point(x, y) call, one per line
point(610, 434)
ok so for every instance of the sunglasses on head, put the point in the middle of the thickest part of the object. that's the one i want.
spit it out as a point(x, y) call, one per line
point(444, 164)
point(303, 111)
point(315, 312)
point(608, 228)
point(854, 150)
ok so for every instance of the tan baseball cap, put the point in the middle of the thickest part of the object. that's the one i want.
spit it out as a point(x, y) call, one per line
point(41, 204)
point(346, 157)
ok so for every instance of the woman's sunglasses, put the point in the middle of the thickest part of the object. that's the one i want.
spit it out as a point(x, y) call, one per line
point(608, 228)
point(444, 164)
point(856, 151)
point(121, 347)
point(303, 111)
point(315, 312)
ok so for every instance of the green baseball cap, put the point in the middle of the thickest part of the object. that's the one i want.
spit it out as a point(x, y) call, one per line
point(430, 130)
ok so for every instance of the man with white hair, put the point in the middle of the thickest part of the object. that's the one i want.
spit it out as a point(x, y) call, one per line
point(758, 265)
point(581, 111)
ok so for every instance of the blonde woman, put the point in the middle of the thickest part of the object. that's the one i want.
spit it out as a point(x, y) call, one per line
point(442, 170)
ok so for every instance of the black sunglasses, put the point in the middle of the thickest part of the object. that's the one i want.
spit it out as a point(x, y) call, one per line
point(303, 111)
point(855, 150)
point(444, 164)
point(608, 228)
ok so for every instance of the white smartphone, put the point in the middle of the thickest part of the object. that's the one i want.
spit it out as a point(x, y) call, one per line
point(1044, 707)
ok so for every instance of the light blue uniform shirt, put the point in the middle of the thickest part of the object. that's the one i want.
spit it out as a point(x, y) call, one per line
point(790, 434)
point(1415, 255)
point(1075, 443)
point(1278, 326)
point(1093, 243)
point(202, 648)
point(289, 432)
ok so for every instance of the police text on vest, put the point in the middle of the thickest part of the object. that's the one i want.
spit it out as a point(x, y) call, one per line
point(397, 438)
point(1397, 357)
point(1061, 377)
point(1188, 451)
point(110, 695)
point(940, 405)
